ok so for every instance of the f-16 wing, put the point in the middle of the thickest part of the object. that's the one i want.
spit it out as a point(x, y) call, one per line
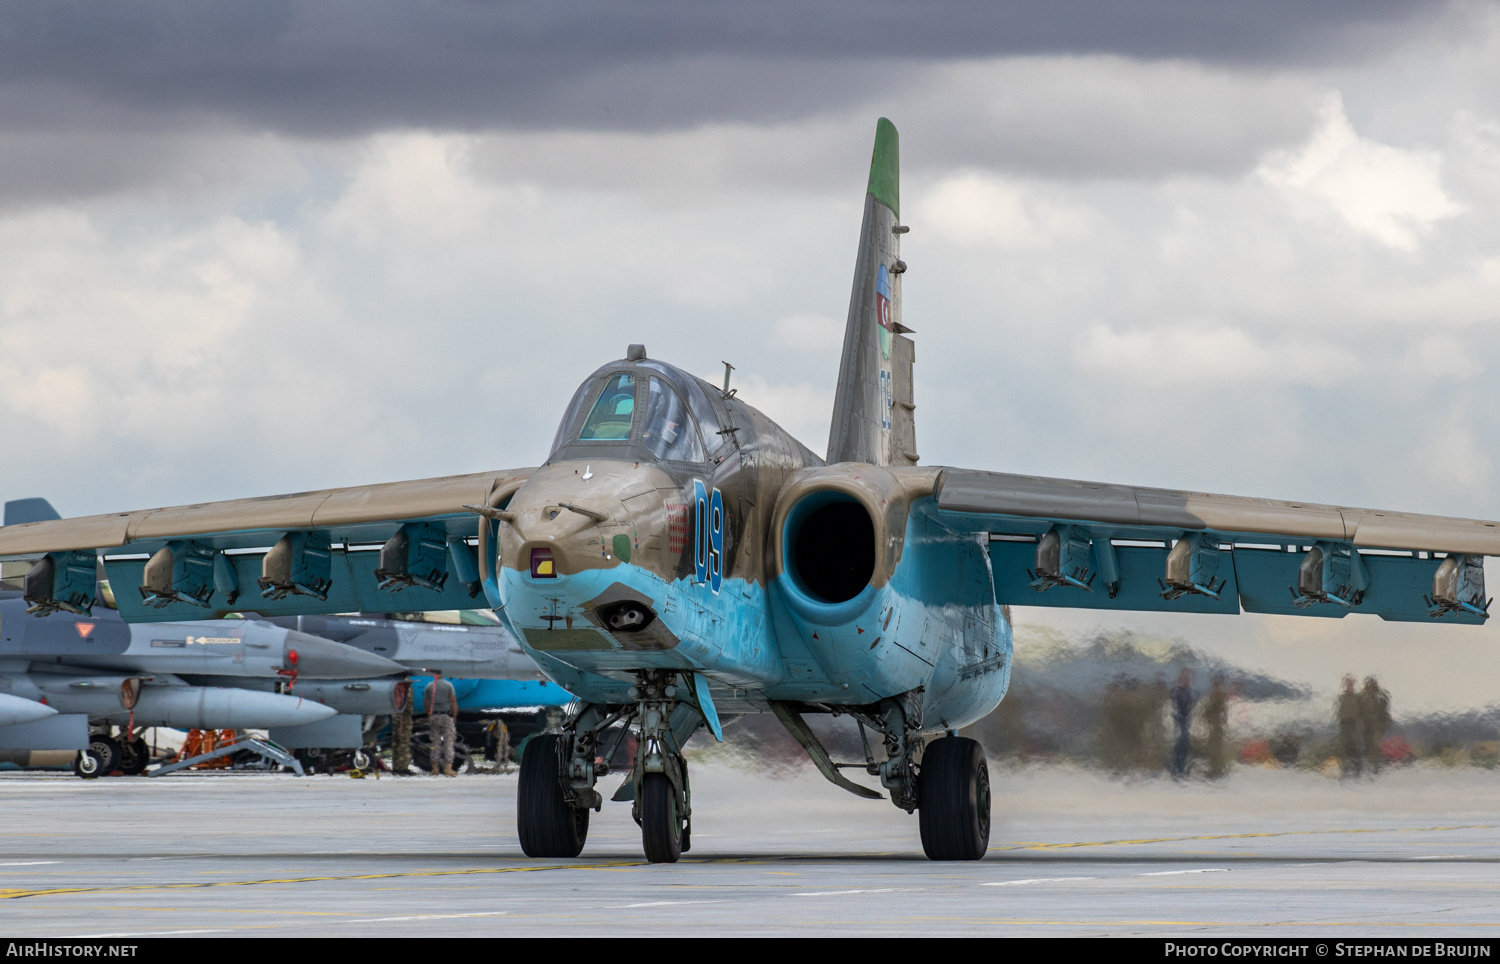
point(334, 550)
point(1061, 543)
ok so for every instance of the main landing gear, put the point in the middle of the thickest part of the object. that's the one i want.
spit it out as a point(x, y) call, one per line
point(955, 800)
point(549, 822)
point(945, 781)
point(949, 788)
point(559, 771)
point(948, 784)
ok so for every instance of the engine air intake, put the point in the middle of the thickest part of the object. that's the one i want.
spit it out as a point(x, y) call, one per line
point(830, 546)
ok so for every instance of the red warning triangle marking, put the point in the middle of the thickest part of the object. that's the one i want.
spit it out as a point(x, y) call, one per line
point(84, 629)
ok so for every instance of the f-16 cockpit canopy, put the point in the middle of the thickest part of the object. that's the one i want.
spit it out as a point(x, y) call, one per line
point(642, 410)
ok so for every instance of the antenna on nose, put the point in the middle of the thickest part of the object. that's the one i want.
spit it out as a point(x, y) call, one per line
point(727, 369)
point(635, 353)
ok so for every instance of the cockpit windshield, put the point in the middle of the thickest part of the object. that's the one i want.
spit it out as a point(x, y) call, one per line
point(669, 432)
point(640, 409)
point(610, 418)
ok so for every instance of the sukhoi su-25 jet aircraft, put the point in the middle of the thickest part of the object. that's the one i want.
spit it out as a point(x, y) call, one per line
point(680, 559)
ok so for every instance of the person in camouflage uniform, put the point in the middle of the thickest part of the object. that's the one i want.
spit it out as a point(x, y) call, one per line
point(442, 715)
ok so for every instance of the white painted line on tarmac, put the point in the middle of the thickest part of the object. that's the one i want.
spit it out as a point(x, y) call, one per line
point(834, 893)
point(28, 863)
point(378, 920)
point(667, 903)
point(1199, 870)
point(1032, 880)
point(216, 930)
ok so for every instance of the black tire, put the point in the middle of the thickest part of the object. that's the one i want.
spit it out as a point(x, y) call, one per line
point(86, 765)
point(135, 756)
point(661, 825)
point(955, 800)
point(547, 825)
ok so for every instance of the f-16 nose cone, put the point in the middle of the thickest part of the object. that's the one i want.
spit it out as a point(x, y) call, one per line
point(319, 658)
point(14, 710)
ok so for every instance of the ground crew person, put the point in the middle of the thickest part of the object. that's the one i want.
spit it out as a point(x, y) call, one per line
point(442, 711)
point(1183, 699)
point(1374, 720)
point(1346, 714)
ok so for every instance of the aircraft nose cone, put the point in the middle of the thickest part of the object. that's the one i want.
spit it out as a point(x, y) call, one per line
point(14, 710)
point(319, 658)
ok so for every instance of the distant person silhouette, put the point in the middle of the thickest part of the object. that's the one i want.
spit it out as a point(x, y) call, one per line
point(1183, 700)
point(1374, 721)
point(1346, 714)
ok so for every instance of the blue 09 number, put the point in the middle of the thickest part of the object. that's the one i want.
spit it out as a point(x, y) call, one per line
point(708, 535)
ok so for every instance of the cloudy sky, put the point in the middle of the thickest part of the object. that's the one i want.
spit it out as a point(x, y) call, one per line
point(1238, 248)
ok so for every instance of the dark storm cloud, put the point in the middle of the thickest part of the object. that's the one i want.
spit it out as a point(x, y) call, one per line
point(331, 68)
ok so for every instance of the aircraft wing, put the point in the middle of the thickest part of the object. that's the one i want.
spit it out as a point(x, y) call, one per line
point(325, 550)
point(1062, 543)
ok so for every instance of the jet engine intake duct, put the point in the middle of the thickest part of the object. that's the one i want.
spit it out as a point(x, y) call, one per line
point(836, 533)
point(830, 546)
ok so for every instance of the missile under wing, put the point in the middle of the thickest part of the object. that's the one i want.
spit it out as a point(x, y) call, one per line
point(681, 559)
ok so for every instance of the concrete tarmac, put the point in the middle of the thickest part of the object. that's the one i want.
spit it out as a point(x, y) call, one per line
point(1264, 853)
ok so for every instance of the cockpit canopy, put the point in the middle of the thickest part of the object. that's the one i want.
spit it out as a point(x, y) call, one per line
point(642, 410)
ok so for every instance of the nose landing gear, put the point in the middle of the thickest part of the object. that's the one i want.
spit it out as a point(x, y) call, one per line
point(663, 800)
point(559, 771)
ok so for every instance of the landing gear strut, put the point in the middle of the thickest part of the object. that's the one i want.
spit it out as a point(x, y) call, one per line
point(950, 787)
point(663, 800)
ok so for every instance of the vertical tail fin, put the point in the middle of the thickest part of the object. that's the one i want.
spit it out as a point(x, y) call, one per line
point(872, 408)
point(18, 511)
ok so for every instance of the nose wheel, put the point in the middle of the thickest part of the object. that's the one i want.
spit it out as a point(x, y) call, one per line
point(664, 833)
point(100, 758)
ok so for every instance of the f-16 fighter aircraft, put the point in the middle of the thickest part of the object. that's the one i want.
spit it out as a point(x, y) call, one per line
point(111, 680)
point(680, 558)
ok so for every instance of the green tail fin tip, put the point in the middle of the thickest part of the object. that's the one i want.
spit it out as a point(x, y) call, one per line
point(885, 166)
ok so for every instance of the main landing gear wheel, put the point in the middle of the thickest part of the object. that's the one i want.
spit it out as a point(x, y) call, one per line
point(661, 824)
point(548, 825)
point(100, 757)
point(955, 800)
point(134, 756)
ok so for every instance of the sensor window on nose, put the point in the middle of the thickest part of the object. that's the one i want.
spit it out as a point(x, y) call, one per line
point(542, 566)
